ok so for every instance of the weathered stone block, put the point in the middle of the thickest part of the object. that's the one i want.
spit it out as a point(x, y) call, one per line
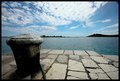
point(85, 57)
point(52, 56)
point(74, 57)
point(99, 59)
point(77, 75)
point(72, 78)
point(44, 51)
point(57, 71)
point(6, 68)
point(42, 56)
point(62, 59)
point(56, 52)
point(95, 70)
point(68, 52)
point(47, 63)
point(89, 63)
point(108, 68)
point(113, 75)
point(116, 64)
point(80, 52)
point(75, 65)
point(112, 57)
point(98, 76)
point(93, 53)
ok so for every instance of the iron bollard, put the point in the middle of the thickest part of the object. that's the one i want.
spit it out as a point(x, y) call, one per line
point(26, 50)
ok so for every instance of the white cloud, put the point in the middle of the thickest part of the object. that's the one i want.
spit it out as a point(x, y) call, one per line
point(99, 3)
point(110, 32)
point(112, 29)
point(63, 10)
point(74, 27)
point(45, 28)
point(109, 27)
point(55, 13)
point(37, 30)
point(90, 23)
point(107, 20)
point(14, 17)
point(29, 15)
point(4, 18)
point(103, 21)
point(72, 10)
point(53, 21)
point(6, 13)
point(77, 11)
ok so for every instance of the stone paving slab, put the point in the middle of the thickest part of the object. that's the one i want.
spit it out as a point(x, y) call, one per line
point(7, 58)
point(44, 51)
point(9, 75)
point(95, 70)
point(99, 59)
point(85, 57)
point(75, 65)
point(47, 63)
point(98, 76)
point(112, 57)
point(80, 52)
point(108, 68)
point(6, 68)
point(52, 56)
point(77, 75)
point(93, 53)
point(62, 59)
point(72, 78)
point(74, 57)
point(113, 75)
point(57, 71)
point(42, 56)
point(68, 52)
point(56, 52)
point(89, 63)
point(116, 64)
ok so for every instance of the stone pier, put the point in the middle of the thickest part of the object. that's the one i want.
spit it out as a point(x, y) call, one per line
point(68, 65)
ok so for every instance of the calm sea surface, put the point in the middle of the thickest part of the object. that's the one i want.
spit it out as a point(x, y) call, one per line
point(102, 45)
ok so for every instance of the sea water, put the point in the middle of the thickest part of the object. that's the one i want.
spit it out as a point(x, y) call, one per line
point(102, 45)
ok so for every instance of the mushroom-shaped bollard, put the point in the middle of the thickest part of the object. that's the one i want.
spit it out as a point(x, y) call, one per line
point(26, 50)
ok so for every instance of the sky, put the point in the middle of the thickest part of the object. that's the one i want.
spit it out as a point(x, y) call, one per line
point(79, 18)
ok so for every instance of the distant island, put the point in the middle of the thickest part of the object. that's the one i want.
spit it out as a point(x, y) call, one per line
point(102, 35)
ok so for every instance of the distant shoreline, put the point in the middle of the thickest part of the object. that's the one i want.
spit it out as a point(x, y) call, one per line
point(102, 35)
point(93, 35)
point(68, 37)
